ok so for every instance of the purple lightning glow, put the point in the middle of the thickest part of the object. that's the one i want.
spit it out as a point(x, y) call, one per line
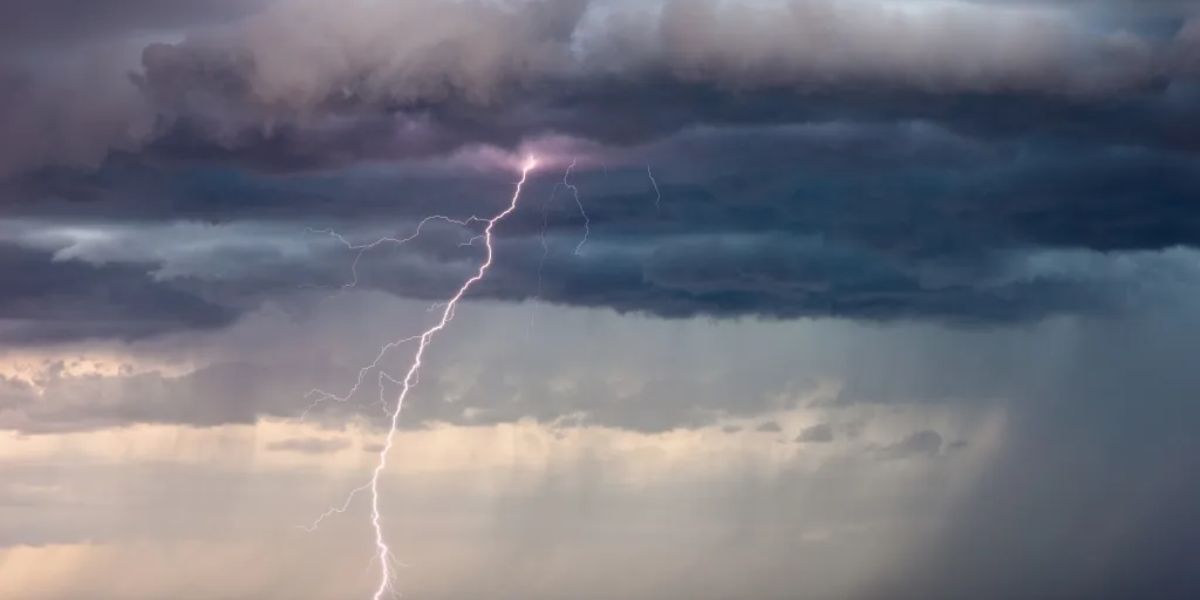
point(383, 552)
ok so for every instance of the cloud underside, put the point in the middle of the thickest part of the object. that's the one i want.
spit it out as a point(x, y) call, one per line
point(933, 233)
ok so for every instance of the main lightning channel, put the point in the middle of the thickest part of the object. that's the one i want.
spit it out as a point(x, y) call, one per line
point(410, 378)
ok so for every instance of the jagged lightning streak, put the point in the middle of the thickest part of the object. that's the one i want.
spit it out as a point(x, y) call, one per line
point(336, 510)
point(545, 224)
point(587, 223)
point(383, 552)
point(362, 249)
point(319, 396)
point(657, 194)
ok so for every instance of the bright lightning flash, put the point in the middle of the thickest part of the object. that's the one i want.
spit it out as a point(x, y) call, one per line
point(383, 551)
point(411, 377)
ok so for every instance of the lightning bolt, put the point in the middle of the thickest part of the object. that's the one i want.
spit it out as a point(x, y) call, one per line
point(319, 396)
point(336, 510)
point(361, 249)
point(657, 194)
point(545, 224)
point(383, 551)
point(587, 223)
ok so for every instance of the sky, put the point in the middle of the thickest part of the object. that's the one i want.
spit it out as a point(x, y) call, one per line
point(821, 299)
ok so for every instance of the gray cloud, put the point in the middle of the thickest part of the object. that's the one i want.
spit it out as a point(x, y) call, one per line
point(301, 84)
point(46, 300)
point(214, 395)
point(310, 445)
point(951, 47)
point(616, 72)
point(1084, 440)
point(44, 24)
point(15, 394)
point(803, 193)
point(398, 54)
point(816, 434)
point(44, 119)
point(922, 443)
point(769, 427)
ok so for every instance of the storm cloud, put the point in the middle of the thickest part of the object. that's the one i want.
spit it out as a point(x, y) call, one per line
point(839, 299)
point(878, 160)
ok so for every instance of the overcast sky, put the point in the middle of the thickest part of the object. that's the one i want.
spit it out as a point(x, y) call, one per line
point(855, 299)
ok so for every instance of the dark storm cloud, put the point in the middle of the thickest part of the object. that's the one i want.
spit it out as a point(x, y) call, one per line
point(876, 161)
point(964, 162)
point(911, 185)
point(66, 97)
point(44, 24)
point(481, 54)
point(301, 84)
point(42, 119)
point(614, 73)
point(44, 300)
point(924, 237)
point(628, 113)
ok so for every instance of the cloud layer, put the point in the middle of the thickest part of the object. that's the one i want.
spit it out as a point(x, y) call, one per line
point(974, 162)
